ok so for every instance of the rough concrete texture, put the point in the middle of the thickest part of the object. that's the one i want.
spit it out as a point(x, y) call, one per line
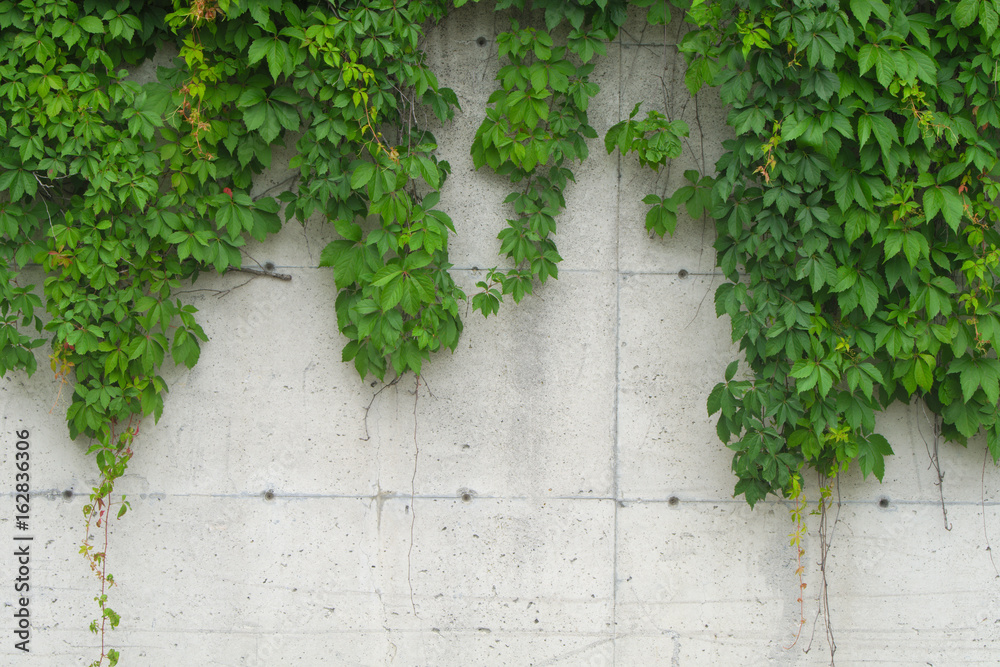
point(551, 494)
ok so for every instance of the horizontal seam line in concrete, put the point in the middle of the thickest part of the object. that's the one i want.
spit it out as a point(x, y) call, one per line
point(57, 495)
point(380, 630)
point(672, 273)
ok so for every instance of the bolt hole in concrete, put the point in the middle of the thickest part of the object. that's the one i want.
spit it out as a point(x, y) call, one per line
point(673, 500)
point(269, 266)
point(883, 503)
point(269, 495)
point(481, 41)
point(683, 273)
point(67, 494)
point(466, 497)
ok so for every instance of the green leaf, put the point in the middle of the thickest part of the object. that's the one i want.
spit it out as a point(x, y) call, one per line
point(363, 173)
point(392, 292)
point(274, 50)
point(386, 274)
point(254, 117)
point(979, 373)
point(877, 55)
point(953, 206)
point(933, 202)
point(700, 72)
point(806, 441)
point(714, 403)
point(965, 13)
point(250, 97)
point(871, 455)
point(885, 132)
point(539, 78)
point(989, 18)
point(91, 24)
point(754, 490)
point(826, 83)
point(863, 9)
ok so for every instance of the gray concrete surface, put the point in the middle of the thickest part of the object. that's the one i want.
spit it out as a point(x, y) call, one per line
point(551, 494)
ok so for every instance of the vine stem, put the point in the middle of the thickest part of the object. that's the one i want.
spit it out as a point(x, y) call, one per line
point(104, 574)
point(935, 461)
point(826, 539)
point(368, 408)
point(259, 272)
point(800, 505)
point(102, 504)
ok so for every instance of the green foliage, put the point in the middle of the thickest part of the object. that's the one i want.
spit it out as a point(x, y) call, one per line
point(657, 140)
point(856, 224)
point(122, 190)
point(536, 127)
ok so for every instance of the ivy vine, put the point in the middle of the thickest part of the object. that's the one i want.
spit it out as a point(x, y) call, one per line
point(855, 221)
point(536, 127)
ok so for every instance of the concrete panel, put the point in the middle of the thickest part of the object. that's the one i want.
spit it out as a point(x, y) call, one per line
point(673, 351)
point(681, 574)
point(254, 581)
point(498, 565)
point(968, 473)
point(536, 417)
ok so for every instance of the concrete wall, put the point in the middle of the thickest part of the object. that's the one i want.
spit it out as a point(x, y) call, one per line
point(551, 494)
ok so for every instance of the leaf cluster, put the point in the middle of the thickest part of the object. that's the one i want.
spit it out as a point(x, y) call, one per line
point(121, 190)
point(856, 223)
point(536, 127)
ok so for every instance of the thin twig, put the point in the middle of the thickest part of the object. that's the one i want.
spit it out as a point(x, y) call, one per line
point(104, 573)
point(259, 272)
point(940, 480)
point(290, 179)
point(826, 541)
point(219, 293)
point(800, 506)
point(701, 303)
point(371, 402)
point(935, 460)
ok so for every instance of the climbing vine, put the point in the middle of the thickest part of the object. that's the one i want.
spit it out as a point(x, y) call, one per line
point(536, 126)
point(854, 206)
point(855, 222)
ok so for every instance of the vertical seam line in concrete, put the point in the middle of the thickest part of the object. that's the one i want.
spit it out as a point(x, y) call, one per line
point(618, 319)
